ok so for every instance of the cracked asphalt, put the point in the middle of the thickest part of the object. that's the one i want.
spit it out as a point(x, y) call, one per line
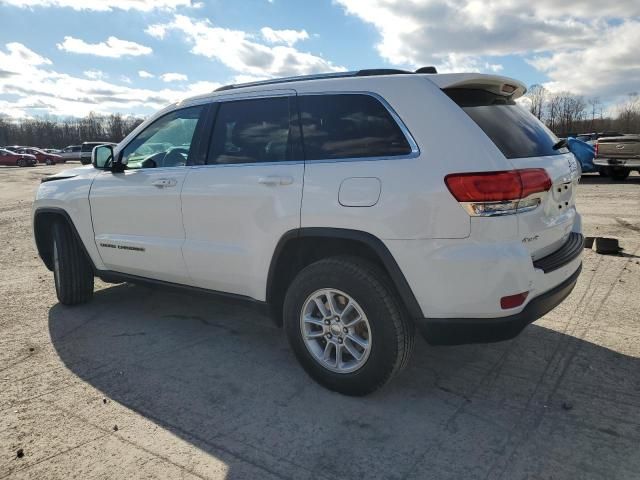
point(154, 383)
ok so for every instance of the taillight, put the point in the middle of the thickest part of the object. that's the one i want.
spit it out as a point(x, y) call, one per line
point(534, 180)
point(498, 193)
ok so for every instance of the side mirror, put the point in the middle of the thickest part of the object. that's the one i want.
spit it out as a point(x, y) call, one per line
point(102, 157)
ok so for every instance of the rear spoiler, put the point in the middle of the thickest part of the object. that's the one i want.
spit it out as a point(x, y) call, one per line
point(497, 84)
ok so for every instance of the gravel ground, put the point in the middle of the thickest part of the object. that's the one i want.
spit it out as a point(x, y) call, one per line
point(145, 383)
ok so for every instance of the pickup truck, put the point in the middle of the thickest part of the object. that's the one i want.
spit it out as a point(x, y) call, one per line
point(618, 156)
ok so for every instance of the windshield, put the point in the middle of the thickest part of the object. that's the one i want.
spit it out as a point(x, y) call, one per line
point(515, 131)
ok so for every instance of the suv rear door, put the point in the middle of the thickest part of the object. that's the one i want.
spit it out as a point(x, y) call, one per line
point(240, 201)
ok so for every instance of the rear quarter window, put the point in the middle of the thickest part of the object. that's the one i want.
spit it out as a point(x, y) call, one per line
point(515, 131)
point(349, 126)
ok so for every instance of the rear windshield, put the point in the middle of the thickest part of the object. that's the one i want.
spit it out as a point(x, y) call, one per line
point(515, 131)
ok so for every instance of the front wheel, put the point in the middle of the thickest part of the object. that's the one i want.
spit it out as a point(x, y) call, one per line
point(72, 271)
point(21, 162)
point(620, 173)
point(49, 161)
point(346, 325)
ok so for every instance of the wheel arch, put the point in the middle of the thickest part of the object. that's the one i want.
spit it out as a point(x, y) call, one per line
point(43, 220)
point(300, 247)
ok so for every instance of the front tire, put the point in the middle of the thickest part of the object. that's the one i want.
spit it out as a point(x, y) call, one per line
point(49, 161)
point(346, 325)
point(21, 162)
point(72, 271)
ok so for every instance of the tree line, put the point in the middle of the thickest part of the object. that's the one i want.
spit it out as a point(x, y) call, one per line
point(566, 114)
point(56, 133)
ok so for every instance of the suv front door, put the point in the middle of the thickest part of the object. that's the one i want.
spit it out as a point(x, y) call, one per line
point(237, 206)
point(137, 217)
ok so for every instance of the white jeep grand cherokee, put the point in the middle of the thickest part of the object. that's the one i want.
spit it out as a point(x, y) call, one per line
point(354, 205)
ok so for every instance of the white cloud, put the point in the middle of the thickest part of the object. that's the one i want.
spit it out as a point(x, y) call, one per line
point(463, 63)
point(289, 37)
point(105, 5)
point(40, 89)
point(20, 57)
point(156, 31)
point(238, 51)
point(472, 34)
point(145, 74)
point(94, 74)
point(173, 77)
point(608, 67)
point(248, 78)
point(113, 47)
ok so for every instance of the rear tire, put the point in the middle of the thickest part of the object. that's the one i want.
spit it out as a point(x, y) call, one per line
point(620, 173)
point(383, 323)
point(72, 271)
point(604, 171)
point(49, 161)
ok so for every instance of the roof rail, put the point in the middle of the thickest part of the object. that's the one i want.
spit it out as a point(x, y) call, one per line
point(320, 76)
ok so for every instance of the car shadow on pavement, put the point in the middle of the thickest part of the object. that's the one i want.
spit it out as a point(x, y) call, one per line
point(221, 377)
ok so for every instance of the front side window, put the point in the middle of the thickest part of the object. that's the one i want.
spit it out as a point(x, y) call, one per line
point(166, 142)
point(250, 131)
point(349, 126)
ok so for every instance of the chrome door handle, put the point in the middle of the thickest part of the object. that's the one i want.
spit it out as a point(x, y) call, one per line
point(275, 180)
point(164, 182)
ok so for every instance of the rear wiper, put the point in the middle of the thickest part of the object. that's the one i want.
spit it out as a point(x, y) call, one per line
point(559, 144)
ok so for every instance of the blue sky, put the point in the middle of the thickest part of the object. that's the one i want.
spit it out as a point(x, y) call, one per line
point(69, 57)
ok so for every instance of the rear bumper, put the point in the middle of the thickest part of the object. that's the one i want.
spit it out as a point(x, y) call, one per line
point(618, 162)
point(456, 331)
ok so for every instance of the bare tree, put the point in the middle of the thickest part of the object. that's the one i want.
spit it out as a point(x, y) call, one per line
point(537, 94)
point(629, 114)
point(553, 112)
point(596, 108)
point(56, 133)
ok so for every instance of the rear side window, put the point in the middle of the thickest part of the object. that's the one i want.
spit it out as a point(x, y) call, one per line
point(250, 131)
point(349, 126)
point(515, 131)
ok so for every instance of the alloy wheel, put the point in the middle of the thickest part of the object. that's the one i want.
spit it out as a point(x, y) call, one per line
point(335, 330)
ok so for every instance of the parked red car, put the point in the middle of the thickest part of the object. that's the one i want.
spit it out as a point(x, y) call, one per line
point(42, 156)
point(7, 157)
